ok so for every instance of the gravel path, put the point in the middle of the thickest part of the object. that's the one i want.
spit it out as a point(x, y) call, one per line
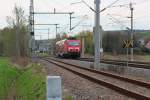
point(80, 88)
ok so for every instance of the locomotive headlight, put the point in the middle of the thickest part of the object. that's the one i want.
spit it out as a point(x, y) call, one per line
point(75, 49)
point(70, 49)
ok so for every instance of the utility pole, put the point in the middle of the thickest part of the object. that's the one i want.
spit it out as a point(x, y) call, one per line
point(48, 33)
point(70, 21)
point(131, 8)
point(83, 43)
point(56, 31)
point(97, 34)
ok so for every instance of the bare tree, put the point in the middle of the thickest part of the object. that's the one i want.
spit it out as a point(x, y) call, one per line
point(18, 22)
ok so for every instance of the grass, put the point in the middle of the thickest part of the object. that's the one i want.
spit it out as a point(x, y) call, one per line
point(146, 57)
point(23, 84)
point(42, 54)
point(145, 34)
point(28, 84)
point(68, 98)
point(8, 75)
point(31, 84)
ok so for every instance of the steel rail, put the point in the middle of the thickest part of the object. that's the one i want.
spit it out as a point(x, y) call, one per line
point(131, 80)
point(102, 82)
point(143, 65)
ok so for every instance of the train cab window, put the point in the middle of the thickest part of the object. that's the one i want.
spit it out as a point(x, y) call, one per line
point(73, 43)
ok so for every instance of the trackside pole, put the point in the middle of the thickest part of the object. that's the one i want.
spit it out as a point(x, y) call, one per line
point(131, 8)
point(96, 30)
point(54, 89)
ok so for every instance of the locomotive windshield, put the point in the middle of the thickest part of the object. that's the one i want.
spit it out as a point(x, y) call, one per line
point(73, 43)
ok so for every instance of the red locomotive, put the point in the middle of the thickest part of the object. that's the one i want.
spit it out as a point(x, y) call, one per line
point(68, 48)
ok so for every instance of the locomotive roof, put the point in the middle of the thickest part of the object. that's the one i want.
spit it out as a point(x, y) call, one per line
point(61, 41)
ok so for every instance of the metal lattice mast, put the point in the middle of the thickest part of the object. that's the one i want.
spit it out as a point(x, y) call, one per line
point(31, 18)
point(31, 26)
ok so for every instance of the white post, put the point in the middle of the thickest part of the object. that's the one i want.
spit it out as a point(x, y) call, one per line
point(54, 90)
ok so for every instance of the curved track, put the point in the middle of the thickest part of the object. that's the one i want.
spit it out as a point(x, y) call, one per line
point(123, 85)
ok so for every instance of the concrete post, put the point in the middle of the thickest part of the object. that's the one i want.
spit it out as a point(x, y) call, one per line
point(97, 34)
point(83, 44)
point(131, 8)
point(54, 90)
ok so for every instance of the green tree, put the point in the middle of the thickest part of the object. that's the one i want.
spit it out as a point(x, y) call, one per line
point(1, 44)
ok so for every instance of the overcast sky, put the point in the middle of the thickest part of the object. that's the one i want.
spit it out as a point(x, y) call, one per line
point(111, 19)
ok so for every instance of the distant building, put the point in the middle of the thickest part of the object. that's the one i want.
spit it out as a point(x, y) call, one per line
point(45, 46)
point(141, 42)
point(42, 45)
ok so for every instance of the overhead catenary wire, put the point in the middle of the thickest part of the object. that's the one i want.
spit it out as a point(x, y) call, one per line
point(113, 19)
point(127, 5)
point(83, 18)
point(60, 8)
point(141, 2)
point(109, 6)
point(88, 5)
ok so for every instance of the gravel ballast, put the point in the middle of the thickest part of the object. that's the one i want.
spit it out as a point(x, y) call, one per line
point(80, 88)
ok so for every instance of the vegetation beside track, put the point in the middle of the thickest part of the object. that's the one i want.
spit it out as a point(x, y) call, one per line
point(31, 84)
point(8, 76)
point(21, 84)
point(110, 56)
point(144, 34)
point(42, 54)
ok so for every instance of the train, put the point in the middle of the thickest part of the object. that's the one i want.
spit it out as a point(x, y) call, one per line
point(69, 47)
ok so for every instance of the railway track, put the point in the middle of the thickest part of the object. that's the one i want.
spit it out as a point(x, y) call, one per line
point(124, 85)
point(136, 64)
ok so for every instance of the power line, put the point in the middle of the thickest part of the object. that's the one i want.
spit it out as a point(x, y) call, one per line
point(88, 5)
point(115, 20)
point(109, 6)
point(82, 1)
point(119, 15)
point(83, 18)
point(141, 2)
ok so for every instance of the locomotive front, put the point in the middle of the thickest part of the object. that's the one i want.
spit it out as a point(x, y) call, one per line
point(73, 48)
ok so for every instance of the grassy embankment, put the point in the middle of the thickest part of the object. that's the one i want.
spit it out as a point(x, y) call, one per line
point(144, 34)
point(144, 57)
point(21, 84)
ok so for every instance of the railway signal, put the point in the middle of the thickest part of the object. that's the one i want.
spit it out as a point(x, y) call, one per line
point(32, 33)
point(127, 44)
